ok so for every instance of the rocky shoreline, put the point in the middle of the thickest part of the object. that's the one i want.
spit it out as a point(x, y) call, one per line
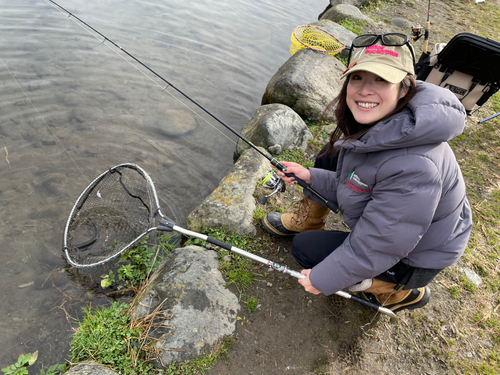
point(300, 90)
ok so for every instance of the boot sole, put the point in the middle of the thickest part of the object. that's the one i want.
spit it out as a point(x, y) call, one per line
point(271, 230)
point(411, 305)
point(415, 304)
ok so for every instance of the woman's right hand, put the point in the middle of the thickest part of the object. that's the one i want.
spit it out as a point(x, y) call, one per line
point(306, 282)
point(298, 170)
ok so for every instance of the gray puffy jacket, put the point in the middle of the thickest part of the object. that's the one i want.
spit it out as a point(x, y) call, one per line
point(401, 193)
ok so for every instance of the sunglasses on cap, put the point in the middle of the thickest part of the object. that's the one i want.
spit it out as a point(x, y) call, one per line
point(389, 40)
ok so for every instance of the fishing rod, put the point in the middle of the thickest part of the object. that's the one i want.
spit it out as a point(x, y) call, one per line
point(489, 118)
point(427, 28)
point(330, 204)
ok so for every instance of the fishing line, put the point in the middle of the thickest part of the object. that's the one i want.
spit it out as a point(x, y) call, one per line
point(46, 124)
point(330, 204)
point(102, 39)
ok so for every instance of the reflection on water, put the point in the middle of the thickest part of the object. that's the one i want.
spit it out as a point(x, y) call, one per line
point(71, 108)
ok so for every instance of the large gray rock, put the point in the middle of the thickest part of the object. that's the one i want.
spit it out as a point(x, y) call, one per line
point(275, 127)
point(231, 205)
point(402, 23)
point(307, 83)
point(340, 32)
point(90, 368)
point(356, 3)
point(201, 309)
point(341, 12)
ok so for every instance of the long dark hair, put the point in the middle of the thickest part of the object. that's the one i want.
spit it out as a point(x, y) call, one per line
point(347, 126)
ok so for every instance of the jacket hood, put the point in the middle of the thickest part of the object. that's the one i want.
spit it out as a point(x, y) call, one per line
point(433, 115)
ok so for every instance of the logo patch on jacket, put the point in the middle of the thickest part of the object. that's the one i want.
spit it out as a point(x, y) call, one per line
point(355, 183)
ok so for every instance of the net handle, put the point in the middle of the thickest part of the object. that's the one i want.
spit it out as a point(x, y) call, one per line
point(168, 225)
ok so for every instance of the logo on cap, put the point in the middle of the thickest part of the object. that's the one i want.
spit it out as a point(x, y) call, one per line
point(380, 50)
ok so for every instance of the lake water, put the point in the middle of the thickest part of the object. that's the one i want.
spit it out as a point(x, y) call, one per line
point(71, 108)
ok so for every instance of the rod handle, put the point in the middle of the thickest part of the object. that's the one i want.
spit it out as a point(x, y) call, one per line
point(296, 274)
point(426, 36)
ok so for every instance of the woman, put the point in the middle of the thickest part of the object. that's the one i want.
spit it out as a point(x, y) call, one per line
point(389, 168)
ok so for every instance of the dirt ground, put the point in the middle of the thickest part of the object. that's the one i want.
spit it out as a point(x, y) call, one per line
point(294, 332)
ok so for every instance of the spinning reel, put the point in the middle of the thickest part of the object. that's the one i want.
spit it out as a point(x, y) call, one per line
point(272, 181)
point(416, 32)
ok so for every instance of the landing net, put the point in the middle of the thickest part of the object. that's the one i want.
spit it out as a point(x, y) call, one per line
point(113, 211)
point(316, 39)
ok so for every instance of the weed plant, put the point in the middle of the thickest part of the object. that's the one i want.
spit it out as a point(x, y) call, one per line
point(140, 261)
point(251, 304)
point(259, 214)
point(26, 360)
point(107, 336)
point(22, 364)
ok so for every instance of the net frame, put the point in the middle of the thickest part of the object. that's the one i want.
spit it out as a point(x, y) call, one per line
point(153, 207)
point(298, 42)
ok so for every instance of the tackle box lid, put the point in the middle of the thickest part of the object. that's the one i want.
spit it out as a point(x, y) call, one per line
point(474, 55)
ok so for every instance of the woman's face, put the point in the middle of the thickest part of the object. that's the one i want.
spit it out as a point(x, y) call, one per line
point(371, 98)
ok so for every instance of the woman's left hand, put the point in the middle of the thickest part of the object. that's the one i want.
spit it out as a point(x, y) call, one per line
point(298, 170)
point(306, 283)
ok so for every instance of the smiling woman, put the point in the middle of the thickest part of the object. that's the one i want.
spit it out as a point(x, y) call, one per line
point(395, 179)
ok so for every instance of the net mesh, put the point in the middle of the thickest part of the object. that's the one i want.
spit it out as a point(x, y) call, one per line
point(316, 39)
point(113, 211)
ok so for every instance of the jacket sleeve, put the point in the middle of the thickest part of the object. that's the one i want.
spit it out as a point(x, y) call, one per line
point(404, 198)
point(324, 182)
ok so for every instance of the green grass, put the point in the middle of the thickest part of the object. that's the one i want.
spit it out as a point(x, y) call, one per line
point(238, 271)
point(105, 335)
point(296, 156)
point(251, 304)
point(354, 26)
point(320, 364)
point(202, 363)
point(140, 261)
point(321, 136)
point(259, 213)
point(26, 360)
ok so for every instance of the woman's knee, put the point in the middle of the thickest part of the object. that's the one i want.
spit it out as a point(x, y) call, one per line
point(299, 249)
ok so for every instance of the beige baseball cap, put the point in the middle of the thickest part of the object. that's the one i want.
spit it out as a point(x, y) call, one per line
point(392, 63)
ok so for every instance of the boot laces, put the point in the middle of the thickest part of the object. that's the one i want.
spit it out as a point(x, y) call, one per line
point(302, 211)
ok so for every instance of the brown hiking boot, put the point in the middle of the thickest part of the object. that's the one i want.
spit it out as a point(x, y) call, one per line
point(382, 293)
point(309, 216)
